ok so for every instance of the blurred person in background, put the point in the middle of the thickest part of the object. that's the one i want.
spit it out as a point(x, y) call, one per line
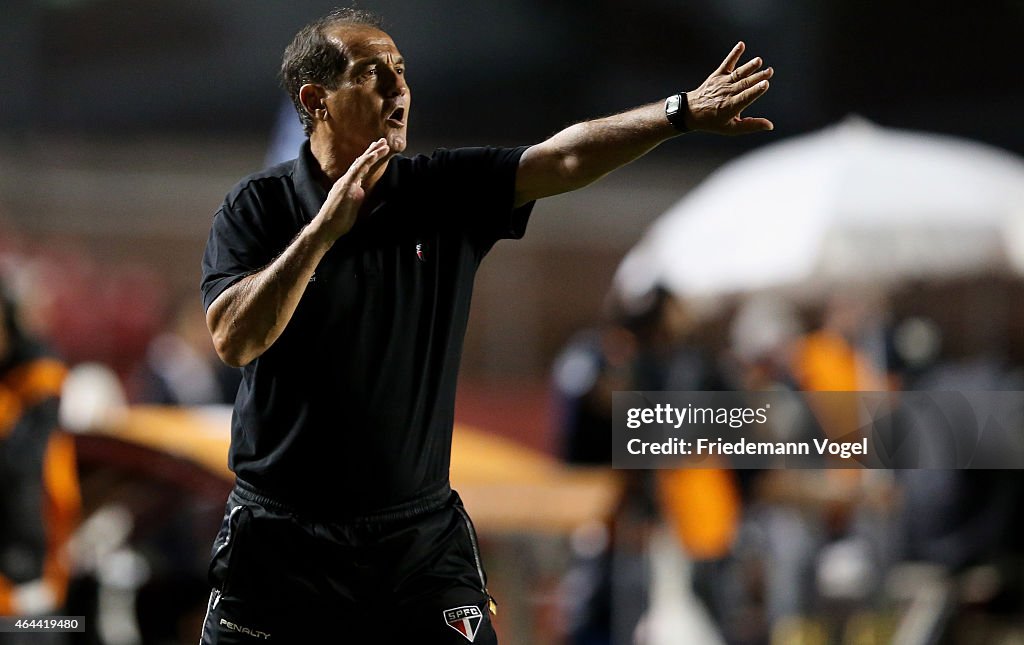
point(966, 522)
point(851, 349)
point(769, 577)
point(593, 364)
point(39, 494)
point(181, 366)
point(340, 282)
point(819, 538)
point(647, 346)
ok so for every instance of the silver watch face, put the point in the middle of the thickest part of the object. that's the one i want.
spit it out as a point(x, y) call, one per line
point(672, 104)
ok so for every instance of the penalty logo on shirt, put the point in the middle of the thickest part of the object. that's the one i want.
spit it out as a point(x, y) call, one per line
point(465, 620)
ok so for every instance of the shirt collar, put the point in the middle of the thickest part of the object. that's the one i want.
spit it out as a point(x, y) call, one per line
point(312, 193)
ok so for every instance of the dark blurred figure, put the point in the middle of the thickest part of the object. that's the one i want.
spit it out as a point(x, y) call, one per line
point(644, 347)
point(182, 367)
point(39, 494)
point(595, 363)
point(969, 522)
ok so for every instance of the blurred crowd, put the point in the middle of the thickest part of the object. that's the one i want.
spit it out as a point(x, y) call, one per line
point(791, 556)
point(80, 340)
point(123, 316)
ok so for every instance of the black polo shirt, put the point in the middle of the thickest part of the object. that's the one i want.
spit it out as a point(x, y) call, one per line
point(351, 410)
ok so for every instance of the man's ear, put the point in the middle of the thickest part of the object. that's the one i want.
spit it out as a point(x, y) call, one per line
point(313, 98)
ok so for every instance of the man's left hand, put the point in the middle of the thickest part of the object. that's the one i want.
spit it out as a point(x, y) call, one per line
point(716, 105)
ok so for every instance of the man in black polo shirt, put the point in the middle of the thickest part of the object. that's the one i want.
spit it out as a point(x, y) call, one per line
point(340, 282)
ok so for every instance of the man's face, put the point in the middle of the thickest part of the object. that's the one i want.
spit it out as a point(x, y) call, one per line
point(372, 98)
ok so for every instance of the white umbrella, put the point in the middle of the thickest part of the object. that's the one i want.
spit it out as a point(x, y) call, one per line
point(854, 203)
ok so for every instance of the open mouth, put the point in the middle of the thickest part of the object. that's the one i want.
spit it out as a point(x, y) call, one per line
point(397, 117)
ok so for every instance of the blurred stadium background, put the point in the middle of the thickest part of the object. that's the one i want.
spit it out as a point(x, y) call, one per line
point(124, 123)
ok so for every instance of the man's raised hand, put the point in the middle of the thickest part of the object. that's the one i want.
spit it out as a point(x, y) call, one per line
point(341, 209)
point(716, 105)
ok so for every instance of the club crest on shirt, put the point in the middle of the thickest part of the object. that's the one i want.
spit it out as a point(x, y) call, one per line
point(421, 251)
point(465, 620)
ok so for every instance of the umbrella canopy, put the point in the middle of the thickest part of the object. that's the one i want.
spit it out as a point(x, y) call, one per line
point(852, 204)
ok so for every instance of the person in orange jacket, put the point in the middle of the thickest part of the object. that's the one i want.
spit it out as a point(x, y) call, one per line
point(39, 493)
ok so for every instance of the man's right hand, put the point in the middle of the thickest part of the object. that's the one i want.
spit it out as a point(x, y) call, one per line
point(341, 209)
point(250, 315)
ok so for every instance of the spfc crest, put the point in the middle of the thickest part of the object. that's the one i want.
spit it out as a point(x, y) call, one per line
point(465, 620)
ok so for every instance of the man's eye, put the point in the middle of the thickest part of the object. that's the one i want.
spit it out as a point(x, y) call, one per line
point(400, 70)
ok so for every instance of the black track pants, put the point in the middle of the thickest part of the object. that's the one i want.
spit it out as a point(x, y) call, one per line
point(279, 577)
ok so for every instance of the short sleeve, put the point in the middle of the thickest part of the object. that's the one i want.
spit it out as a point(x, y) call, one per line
point(481, 182)
point(236, 248)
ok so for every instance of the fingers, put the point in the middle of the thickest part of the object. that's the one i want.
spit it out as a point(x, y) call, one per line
point(730, 90)
point(746, 125)
point(748, 96)
point(374, 153)
point(747, 68)
point(754, 79)
point(730, 61)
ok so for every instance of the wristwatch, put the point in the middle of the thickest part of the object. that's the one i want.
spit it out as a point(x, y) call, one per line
point(675, 110)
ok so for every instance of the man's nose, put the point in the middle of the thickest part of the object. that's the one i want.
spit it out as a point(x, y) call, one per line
point(395, 85)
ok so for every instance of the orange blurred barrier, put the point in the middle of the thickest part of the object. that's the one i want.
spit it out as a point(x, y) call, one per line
point(506, 486)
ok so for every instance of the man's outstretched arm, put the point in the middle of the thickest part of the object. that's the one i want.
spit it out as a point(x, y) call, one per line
point(585, 152)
